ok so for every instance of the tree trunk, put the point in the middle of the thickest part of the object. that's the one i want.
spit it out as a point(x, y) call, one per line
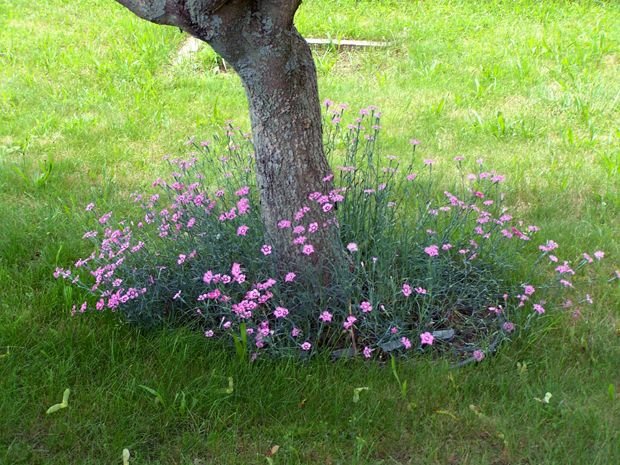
point(259, 40)
point(281, 86)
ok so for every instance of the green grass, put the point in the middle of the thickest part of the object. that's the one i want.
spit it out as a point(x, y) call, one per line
point(532, 87)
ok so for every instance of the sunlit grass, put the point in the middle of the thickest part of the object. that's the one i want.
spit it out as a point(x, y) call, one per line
point(531, 87)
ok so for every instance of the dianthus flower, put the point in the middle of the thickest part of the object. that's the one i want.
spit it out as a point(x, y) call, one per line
point(549, 246)
point(280, 312)
point(407, 290)
point(508, 326)
point(366, 307)
point(350, 321)
point(432, 250)
point(427, 339)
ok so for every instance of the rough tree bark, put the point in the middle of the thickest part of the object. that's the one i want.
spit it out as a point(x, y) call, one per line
point(259, 40)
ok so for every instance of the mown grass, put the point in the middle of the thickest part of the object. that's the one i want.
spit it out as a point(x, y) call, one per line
point(531, 87)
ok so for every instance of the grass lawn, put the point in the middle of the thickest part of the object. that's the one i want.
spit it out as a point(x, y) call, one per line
point(91, 99)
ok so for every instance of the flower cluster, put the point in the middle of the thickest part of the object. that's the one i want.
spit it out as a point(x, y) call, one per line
point(428, 267)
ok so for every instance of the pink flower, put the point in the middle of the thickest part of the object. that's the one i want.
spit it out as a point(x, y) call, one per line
point(336, 197)
point(284, 224)
point(295, 332)
point(306, 346)
point(89, 207)
point(104, 219)
point(426, 338)
point(538, 309)
point(243, 206)
point(327, 207)
point(549, 246)
point(266, 249)
point(446, 247)
point(235, 269)
point(407, 290)
point(528, 289)
point(349, 322)
point(432, 250)
point(243, 191)
point(599, 254)
point(564, 269)
point(405, 342)
point(299, 230)
point(587, 258)
point(420, 290)
point(313, 227)
point(478, 355)
point(566, 283)
point(411, 176)
point(414, 142)
point(508, 327)
point(308, 249)
point(176, 296)
point(290, 277)
point(209, 333)
point(429, 162)
point(326, 317)
point(280, 312)
point(367, 352)
point(299, 240)
point(301, 213)
point(181, 259)
point(366, 307)
point(352, 247)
